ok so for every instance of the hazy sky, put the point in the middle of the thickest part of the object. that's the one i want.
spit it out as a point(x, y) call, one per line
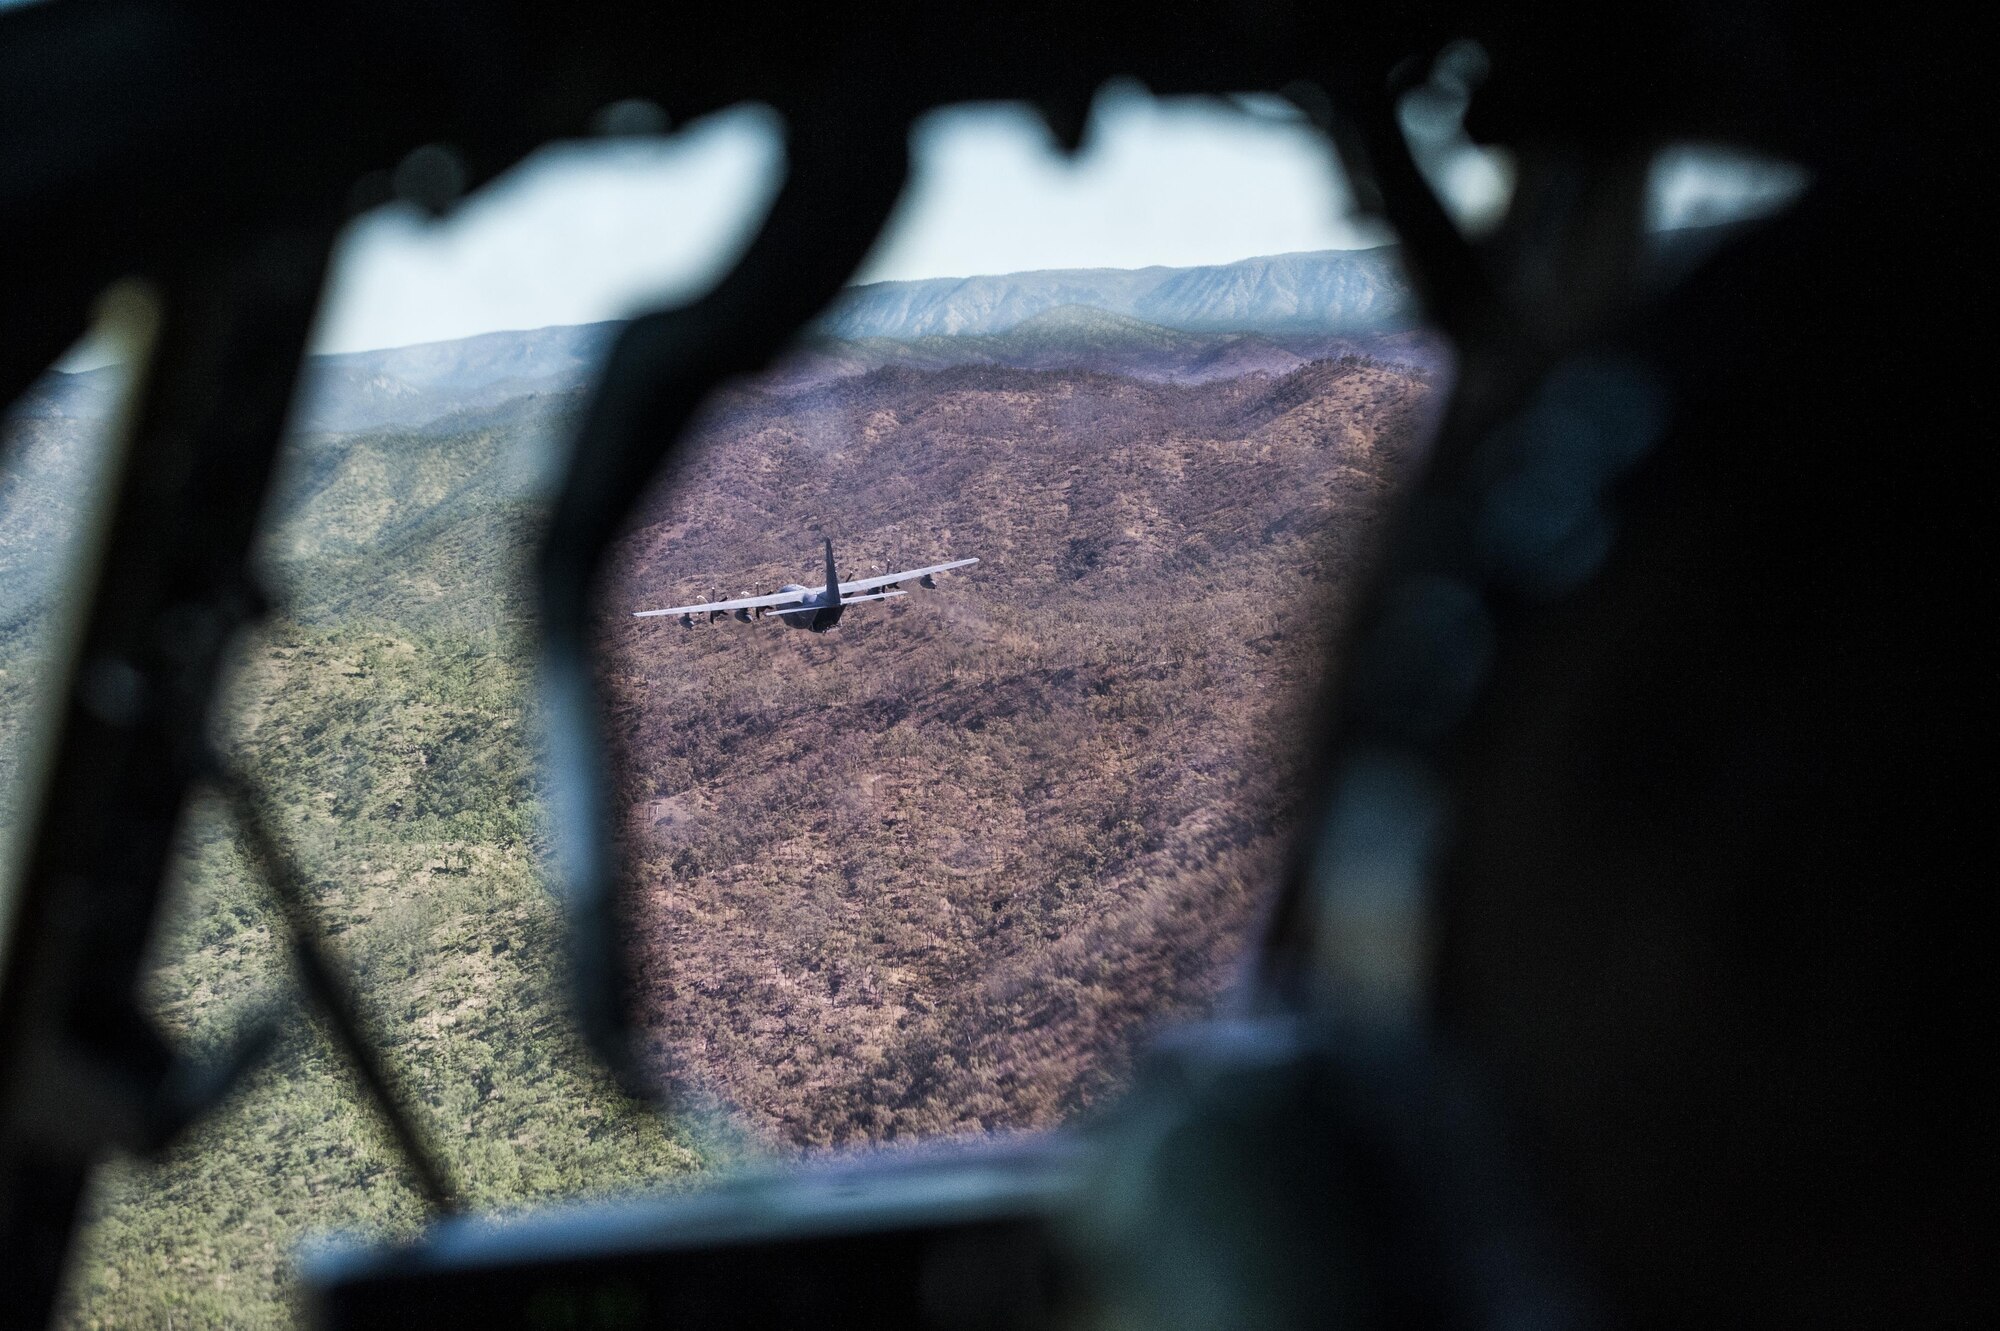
point(599, 230)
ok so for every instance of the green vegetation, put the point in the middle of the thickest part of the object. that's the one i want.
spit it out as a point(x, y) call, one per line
point(385, 715)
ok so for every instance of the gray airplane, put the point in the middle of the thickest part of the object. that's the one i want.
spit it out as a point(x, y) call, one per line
point(814, 608)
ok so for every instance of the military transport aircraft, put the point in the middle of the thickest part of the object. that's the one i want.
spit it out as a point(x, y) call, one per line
point(815, 608)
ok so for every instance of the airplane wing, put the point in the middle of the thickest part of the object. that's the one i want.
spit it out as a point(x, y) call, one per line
point(741, 603)
point(870, 584)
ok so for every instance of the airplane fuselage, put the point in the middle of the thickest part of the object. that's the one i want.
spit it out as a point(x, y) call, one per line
point(813, 621)
point(815, 609)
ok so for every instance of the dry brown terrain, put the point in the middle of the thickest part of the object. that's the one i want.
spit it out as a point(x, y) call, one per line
point(943, 868)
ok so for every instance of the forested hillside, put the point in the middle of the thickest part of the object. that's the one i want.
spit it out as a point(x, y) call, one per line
point(384, 710)
point(942, 869)
point(937, 871)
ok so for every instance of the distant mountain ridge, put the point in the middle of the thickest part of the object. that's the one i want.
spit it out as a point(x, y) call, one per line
point(394, 388)
point(406, 386)
point(1080, 337)
point(1318, 291)
point(1159, 323)
point(1190, 325)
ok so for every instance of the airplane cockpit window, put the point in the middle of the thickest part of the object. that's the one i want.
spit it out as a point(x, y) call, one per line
point(1089, 454)
point(1031, 666)
point(957, 675)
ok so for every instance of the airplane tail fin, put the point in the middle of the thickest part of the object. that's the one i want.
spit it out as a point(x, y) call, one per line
point(832, 578)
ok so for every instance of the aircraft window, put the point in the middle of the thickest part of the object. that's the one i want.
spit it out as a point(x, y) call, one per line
point(939, 869)
point(56, 447)
point(937, 863)
point(1695, 185)
point(385, 710)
